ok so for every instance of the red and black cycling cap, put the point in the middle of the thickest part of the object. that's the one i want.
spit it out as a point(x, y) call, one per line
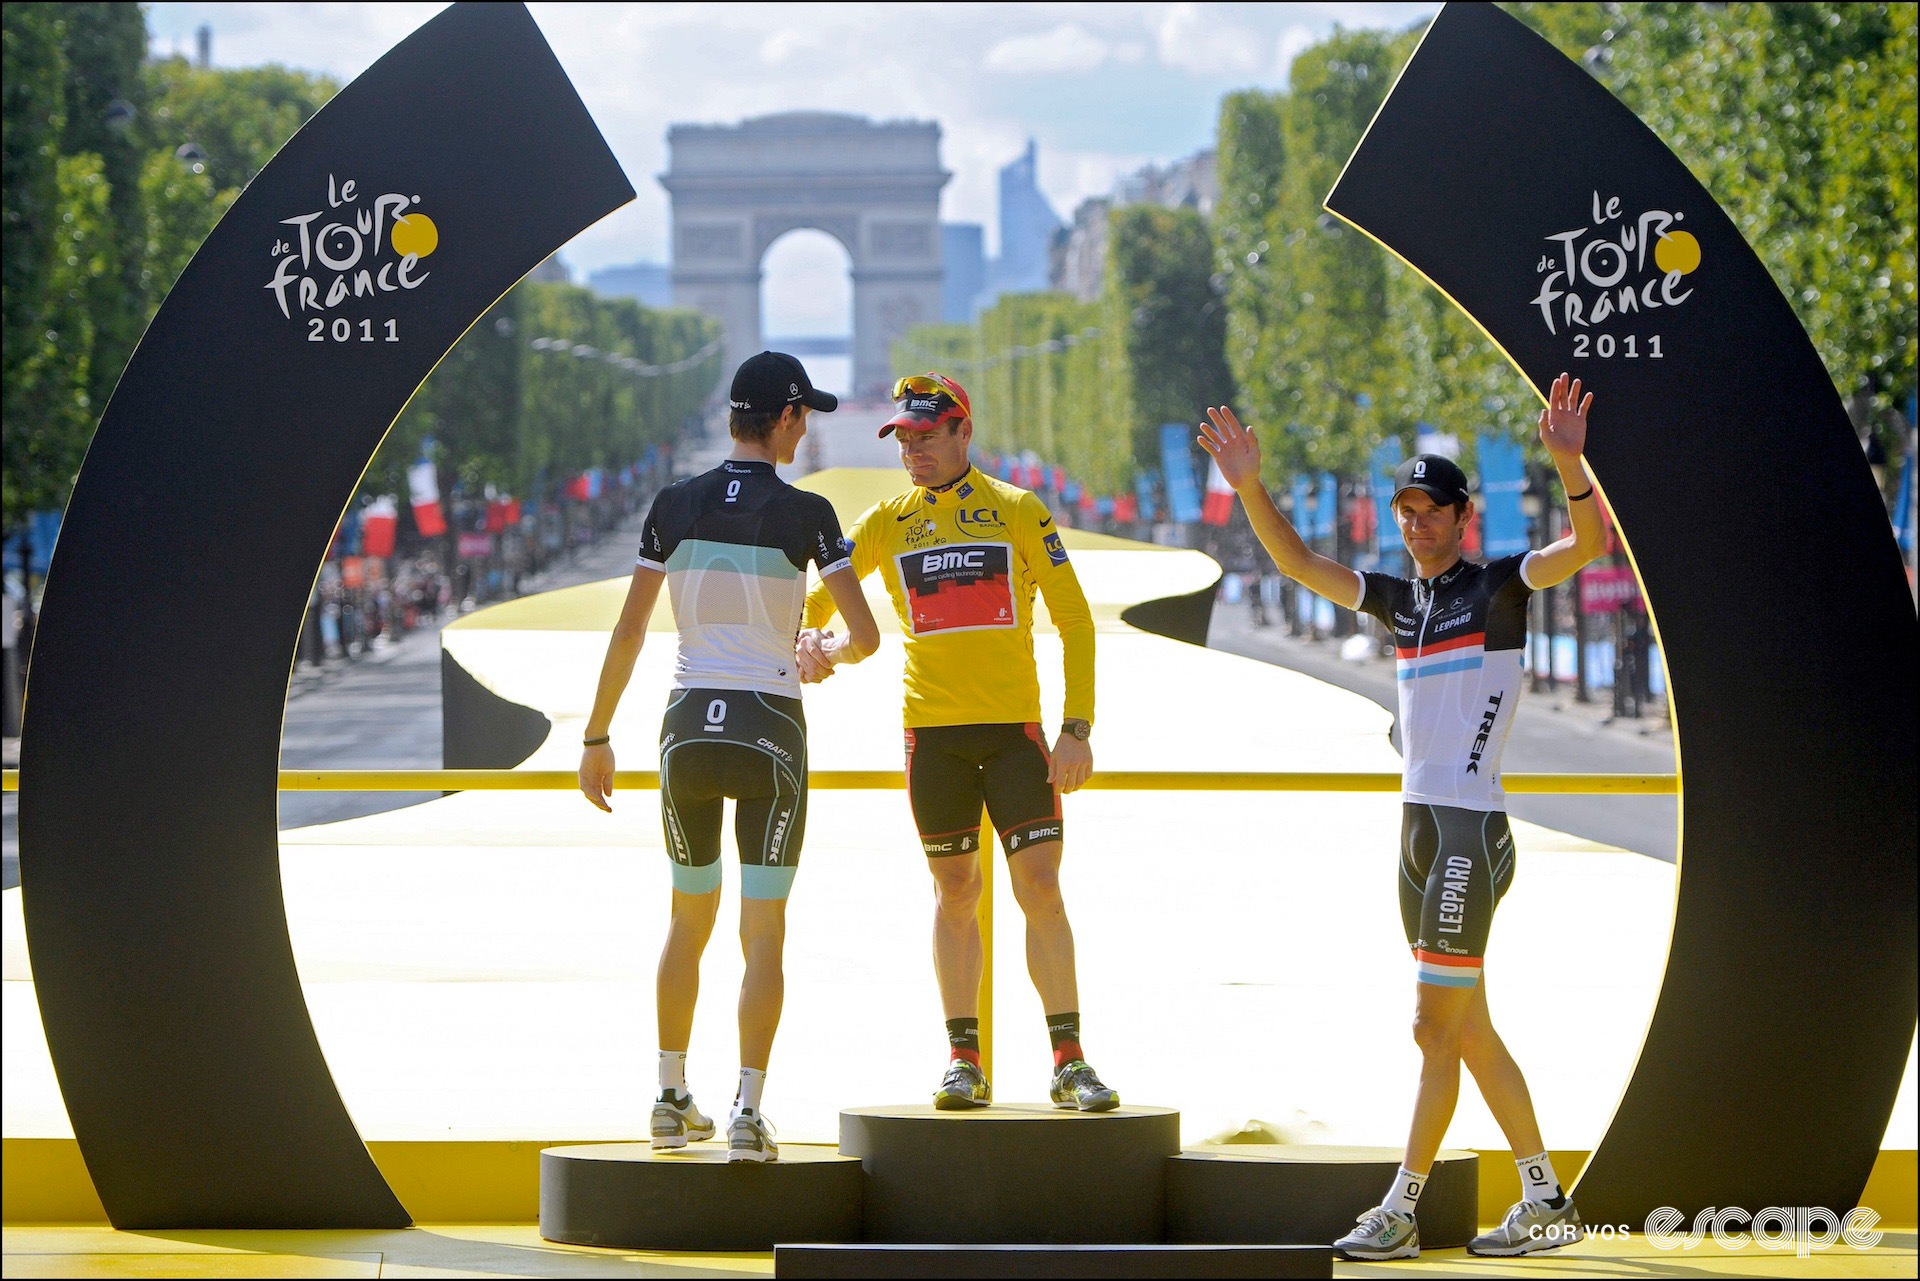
point(926, 401)
point(1435, 475)
point(772, 380)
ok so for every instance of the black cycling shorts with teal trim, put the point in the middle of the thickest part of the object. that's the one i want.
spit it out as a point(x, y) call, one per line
point(1455, 865)
point(952, 770)
point(717, 744)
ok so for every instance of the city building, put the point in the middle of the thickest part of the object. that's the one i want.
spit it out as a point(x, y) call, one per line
point(1027, 228)
point(963, 254)
point(1080, 252)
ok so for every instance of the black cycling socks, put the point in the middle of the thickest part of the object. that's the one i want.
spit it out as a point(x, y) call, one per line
point(1064, 1031)
point(963, 1039)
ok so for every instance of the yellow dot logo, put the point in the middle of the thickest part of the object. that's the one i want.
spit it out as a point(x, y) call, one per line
point(415, 233)
point(1675, 251)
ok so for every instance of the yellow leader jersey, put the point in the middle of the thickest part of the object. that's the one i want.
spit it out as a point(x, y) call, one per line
point(962, 565)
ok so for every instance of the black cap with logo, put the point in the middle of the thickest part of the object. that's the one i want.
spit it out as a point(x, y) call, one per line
point(772, 380)
point(1435, 475)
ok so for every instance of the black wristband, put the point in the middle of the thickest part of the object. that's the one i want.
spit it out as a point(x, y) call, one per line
point(602, 741)
point(1574, 498)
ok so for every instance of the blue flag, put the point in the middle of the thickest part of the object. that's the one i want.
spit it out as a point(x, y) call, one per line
point(1183, 488)
point(1303, 506)
point(1503, 478)
point(1327, 510)
point(1386, 457)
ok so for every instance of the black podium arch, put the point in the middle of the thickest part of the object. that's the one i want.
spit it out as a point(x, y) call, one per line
point(150, 749)
point(1567, 231)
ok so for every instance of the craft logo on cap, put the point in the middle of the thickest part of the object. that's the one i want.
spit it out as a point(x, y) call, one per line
point(773, 380)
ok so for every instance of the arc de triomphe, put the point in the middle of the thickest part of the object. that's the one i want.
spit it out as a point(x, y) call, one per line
point(875, 188)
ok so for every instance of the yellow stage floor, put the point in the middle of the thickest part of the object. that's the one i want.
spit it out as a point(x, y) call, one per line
point(480, 968)
point(516, 1250)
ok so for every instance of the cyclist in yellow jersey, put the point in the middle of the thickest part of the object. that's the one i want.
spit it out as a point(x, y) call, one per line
point(962, 555)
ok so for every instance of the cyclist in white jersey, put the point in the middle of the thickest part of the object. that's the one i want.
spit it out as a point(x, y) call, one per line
point(732, 545)
point(1459, 631)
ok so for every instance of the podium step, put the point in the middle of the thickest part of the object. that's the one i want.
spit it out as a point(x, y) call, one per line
point(1012, 1173)
point(1052, 1261)
point(1308, 1194)
point(629, 1196)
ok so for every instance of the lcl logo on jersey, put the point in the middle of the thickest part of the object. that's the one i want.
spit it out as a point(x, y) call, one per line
point(979, 522)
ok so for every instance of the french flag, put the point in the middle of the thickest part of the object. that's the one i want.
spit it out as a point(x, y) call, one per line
point(423, 485)
point(1217, 507)
point(377, 524)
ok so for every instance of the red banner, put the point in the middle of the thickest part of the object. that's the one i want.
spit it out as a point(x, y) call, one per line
point(1606, 589)
point(1126, 508)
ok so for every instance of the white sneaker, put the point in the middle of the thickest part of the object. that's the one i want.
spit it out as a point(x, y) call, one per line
point(1382, 1234)
point(750, 1137)
point(675, 1123)
point(1531, 1226)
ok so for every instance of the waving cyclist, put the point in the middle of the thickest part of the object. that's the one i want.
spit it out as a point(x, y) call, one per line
point(733, 545)
point(1459, 630)
point(962, 555)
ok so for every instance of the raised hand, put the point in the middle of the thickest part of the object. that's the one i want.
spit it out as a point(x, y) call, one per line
point(1563, 423)
point(1233, 447)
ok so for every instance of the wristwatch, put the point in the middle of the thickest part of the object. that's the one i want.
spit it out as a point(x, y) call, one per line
point(1080, 729)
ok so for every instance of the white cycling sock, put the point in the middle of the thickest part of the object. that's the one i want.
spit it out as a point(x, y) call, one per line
point(1537, 1180)
point(752, 1082)
point(1406, 1190)
point(673, 1071)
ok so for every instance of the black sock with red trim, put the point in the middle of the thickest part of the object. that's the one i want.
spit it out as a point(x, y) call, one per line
point(963, 1039)
point(1064, 1031)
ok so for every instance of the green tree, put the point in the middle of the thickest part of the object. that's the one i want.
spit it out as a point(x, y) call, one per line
point(104, 47)
point(33, 85)
point(1164, 307)
point(52, 398)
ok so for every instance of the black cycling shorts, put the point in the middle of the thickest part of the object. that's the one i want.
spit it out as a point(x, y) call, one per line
point(720, 743)
point(1455, 865)
point(953, 769)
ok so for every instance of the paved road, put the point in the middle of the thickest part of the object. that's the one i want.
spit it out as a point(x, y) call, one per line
point(381, 711)
point(1551, 734)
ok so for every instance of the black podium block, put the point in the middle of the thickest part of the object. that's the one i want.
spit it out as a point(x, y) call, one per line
point(1022, 1173)
point(627, 1195)
point(1285, 1193)
point(1052, 1261)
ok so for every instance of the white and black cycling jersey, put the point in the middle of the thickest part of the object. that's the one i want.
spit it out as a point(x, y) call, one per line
point(1458, 643)
point(734, 544)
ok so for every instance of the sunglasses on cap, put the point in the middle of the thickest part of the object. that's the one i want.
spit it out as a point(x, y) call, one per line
point(931, 385)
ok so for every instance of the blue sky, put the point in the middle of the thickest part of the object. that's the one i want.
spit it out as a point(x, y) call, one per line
point(1102, 88)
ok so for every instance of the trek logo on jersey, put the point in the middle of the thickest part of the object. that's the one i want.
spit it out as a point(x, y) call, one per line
point(1487, 718)
point(958, 588)
point(1055, 551)
point(1601, 272)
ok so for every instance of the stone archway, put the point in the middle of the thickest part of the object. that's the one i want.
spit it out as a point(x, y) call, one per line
point(735, 189)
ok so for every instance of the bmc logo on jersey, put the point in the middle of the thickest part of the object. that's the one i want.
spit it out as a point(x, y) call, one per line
point(934, 562)
point(979, 522)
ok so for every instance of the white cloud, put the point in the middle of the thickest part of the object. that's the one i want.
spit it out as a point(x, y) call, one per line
point(1197, 38)
point(1067, 48)
point(1294, 41)
point(643, 67)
